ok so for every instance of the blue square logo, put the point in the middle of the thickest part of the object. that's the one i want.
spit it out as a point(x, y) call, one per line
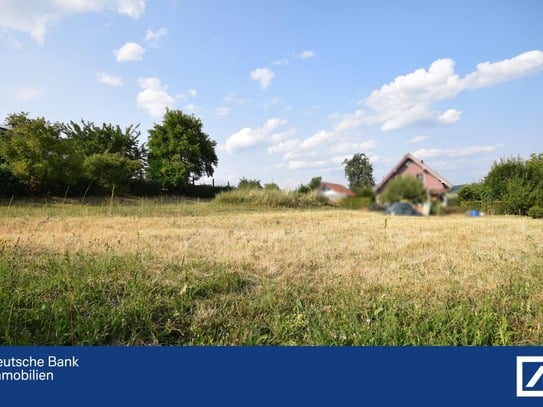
point(529, 376)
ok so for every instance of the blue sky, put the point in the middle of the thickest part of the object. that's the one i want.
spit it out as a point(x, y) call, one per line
point(289, 89)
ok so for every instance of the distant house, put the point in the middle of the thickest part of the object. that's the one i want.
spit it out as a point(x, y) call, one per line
point(436, 185)
point(334, 192)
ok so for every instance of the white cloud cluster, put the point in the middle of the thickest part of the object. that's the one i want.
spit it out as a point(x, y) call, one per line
point(108, 79)
point(410, 98)
point(248, 137)
point(154, 96)
point(455, 152)
point(130, 51)
point(263, 76)
point(36, 17)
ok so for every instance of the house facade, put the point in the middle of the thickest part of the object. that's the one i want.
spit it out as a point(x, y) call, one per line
point(436, 185)
point(334, 192)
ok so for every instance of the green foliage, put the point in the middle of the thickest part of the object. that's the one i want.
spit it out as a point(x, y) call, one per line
point(245, 183)
point(110, 170)
point(91, 139)
point(259, 198)
point(404, 188)
point(179, 150)
point(311, 186)
point(536, 212)
point(38, 156)
point(364, 192)
point(359, 202)
point(359, 171)
point(110, 155)
point(470, 192)
point(108, 299)
point(516, 181)
point(271, 187)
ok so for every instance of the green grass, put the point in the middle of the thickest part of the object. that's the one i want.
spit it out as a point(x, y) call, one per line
point(270, 199)
point(109, 299)
point(151, 272)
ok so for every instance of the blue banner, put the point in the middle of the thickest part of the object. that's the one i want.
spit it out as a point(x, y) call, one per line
point(275, 376)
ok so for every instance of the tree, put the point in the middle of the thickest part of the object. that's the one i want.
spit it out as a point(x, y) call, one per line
point(110, 155)
point(470, 192)
point(359, 172)
point(407, 188)
point(313, 184)
point(245, 183)
point(179, 150)
point(516, 182)
point(38, 156)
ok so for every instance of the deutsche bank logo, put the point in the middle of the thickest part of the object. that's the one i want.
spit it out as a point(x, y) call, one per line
point(529, 376)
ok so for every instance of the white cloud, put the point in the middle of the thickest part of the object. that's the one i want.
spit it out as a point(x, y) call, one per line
point(189, 94)
point(456, 152)
point(331, 163)
point(154, 36)
point(154, 96)
point(417, 139)
point(130, 51)
point(28, 93)
point(409, 99)
point(306, 54)
point(284, 147)
point(233, 98)
point(281, 62)
point(131, 8)
point(317, 139)
point(110, 80)
point(36, 18)
point(9, 40)
point(352, 120)
point(490, 74)
point(222, 111)
point(264, 76)
point(248, 137)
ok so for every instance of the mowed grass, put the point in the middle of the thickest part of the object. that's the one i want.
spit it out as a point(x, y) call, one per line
point(199, 274)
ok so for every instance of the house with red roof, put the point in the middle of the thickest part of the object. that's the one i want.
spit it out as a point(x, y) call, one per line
point(334, 192)
point(436, 185)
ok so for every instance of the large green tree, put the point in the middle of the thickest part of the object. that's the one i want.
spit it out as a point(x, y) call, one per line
point(38, 155)
point(359, 172)
point(111, 156)
point(179, 150)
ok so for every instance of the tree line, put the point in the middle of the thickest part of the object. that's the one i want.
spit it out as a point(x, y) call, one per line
point(514, 183)
point(39, 158)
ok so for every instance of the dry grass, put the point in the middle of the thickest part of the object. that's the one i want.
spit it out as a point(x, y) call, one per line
point(412, 253)
point(432, 259)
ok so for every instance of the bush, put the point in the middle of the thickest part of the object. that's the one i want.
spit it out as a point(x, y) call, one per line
point(271, 199)
point(536, 212)
point(406, 188)
point(356, 203)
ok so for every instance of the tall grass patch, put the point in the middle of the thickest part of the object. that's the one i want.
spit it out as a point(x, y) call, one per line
point(271, 199)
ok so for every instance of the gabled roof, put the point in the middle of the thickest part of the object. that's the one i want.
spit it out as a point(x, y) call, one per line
point(338, 188)
point(410, 157)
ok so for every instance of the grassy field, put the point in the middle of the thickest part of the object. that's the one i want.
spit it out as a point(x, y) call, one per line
point(192, 273)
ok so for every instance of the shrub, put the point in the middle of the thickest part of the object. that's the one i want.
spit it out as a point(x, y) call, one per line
point(271, 199)
point(356, 203)
point(536, 212)
point(406, 188)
